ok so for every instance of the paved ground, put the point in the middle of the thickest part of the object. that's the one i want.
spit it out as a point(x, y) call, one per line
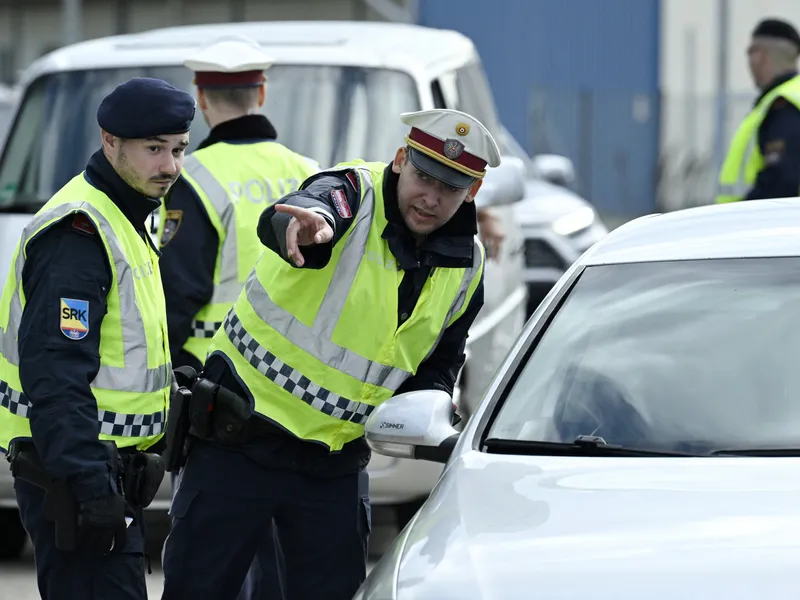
point(18, 579)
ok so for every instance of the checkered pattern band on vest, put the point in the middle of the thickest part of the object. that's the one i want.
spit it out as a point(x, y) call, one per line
point(111, 423)
point(292, 380)
point(205, 329)
point(16, 402)
point(122, 425)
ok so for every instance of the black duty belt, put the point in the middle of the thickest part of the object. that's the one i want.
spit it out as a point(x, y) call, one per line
point(202, 409)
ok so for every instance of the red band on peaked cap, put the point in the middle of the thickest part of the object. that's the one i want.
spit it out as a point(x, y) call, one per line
point(466, 159)
point(217, 79)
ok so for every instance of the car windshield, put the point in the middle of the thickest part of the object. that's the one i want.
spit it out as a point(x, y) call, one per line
point(328, 113)
point(688, 356)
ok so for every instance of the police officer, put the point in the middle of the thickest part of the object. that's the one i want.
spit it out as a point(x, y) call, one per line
point(208, 236)
point(83, 351)
point(764, 155)
point(371, 279)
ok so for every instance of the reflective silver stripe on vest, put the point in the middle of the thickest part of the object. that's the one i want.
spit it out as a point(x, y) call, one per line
point(463, 289)
point(316, 340)
point(135, 376)
point(292, 380)
point(8, 338)
point(228, 289)
point(205, 329)
point(111, 423)
point(741, 187)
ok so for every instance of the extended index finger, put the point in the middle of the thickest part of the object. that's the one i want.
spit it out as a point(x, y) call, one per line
point(292, 251)
point(295, 211)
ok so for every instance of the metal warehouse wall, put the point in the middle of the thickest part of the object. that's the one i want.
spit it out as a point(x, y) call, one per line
point(694, 135)
point(578, 77)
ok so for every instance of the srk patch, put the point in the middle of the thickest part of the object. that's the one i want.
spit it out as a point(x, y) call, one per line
point(74, 318)
point(171, 223)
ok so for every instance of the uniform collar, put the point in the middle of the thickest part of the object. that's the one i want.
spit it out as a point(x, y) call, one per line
point(134, 205)
point(775, 83)
point(250, 128)
point(450, 246)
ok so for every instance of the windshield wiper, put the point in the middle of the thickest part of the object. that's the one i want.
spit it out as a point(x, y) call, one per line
point(583, 445)
point(756, 452)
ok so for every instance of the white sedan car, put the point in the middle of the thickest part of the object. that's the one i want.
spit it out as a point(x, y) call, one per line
point(641, 440)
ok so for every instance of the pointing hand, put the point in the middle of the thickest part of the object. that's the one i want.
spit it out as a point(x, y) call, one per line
point(306, 228)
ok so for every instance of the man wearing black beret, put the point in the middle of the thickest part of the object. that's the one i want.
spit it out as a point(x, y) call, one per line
point(85, 367)
point(764, 156)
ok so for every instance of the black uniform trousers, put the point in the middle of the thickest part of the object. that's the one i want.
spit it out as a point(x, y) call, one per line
point(80, 574)
point(264, 579)
point(222, 512)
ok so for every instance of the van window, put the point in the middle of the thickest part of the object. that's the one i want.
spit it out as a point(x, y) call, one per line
point(475, 96)
point(438, 95)
point(328, 113)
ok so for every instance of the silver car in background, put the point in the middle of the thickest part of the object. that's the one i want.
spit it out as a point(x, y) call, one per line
point(557, 224)
point(642, 438)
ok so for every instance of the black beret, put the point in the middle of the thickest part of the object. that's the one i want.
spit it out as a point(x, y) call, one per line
point(143, 107)
point(778, 29)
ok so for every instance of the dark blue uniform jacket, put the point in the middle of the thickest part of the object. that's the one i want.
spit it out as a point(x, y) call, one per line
point(68, 260)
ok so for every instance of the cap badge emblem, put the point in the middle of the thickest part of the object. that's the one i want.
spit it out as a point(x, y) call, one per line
point(462, 129)
point(453, 149)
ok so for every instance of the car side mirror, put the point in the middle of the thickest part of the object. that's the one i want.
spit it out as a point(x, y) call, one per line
point(503, 184)
point(414, 425)
point(555, 168)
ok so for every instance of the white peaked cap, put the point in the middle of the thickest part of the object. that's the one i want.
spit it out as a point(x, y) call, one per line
point(230, 61)
point(452, 139)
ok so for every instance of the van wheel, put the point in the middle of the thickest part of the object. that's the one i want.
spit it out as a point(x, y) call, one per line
point(12, 534)
point(405, 512)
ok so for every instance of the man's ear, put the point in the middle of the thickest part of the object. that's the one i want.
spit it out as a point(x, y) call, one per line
point(473, 190)
point(109, 141)
point(202, 103)
point(399, 160)
point(262, 95)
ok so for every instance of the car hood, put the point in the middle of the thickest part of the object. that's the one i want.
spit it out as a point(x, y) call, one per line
point(545, 202)
point(510, 527)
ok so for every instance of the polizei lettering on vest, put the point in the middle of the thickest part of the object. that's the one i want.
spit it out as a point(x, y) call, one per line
point(142, 271)
point(259, 191)
point(389, 263)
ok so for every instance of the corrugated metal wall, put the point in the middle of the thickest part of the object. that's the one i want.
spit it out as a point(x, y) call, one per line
point(578, 77)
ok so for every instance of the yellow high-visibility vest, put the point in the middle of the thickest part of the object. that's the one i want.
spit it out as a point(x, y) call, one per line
point(133, 382)
point(318, 350)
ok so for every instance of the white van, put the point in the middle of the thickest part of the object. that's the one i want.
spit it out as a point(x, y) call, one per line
point(334, 93)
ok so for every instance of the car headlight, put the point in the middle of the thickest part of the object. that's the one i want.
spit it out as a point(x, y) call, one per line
point(574, 222)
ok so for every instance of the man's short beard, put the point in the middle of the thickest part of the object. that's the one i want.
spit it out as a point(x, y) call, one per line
point(127, 174)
